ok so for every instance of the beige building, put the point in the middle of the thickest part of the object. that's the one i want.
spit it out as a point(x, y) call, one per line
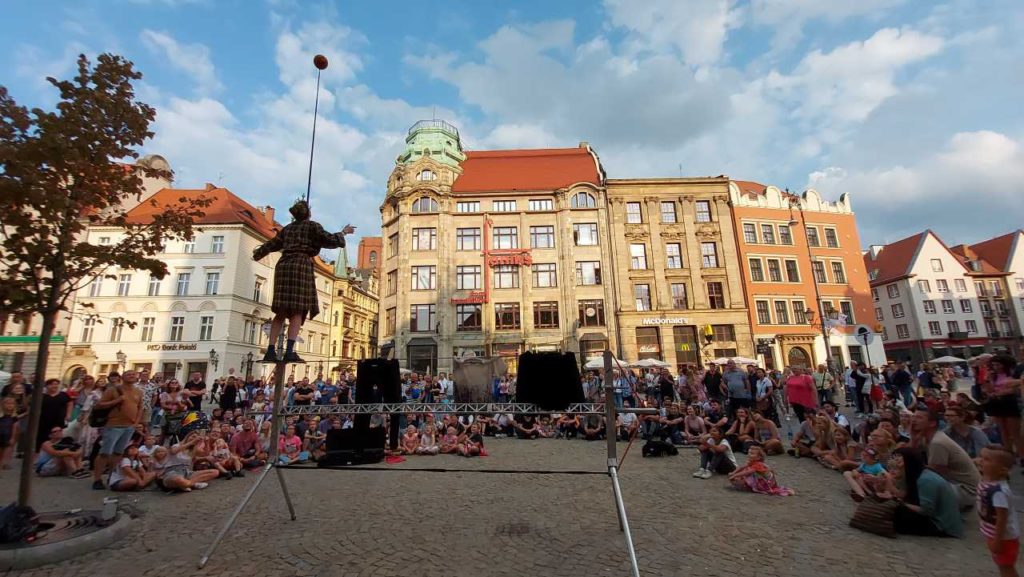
point(675, 271)
point(354, 315)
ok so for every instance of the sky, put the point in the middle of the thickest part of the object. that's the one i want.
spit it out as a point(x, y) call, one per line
point(913, 107)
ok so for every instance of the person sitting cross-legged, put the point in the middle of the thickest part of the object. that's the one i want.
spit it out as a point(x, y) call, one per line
point(527, 427)
point(716, 456)
point(173, 467)
point(58, 458)
point(130, 474)
point(593, 427)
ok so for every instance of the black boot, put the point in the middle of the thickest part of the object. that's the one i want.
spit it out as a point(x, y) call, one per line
point(292, 357)
point(270, 356)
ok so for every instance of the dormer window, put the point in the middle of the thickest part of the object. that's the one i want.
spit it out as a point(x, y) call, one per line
point(427, 175)
point(424, 204)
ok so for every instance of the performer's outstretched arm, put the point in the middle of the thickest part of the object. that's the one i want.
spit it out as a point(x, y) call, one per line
point(273, 245)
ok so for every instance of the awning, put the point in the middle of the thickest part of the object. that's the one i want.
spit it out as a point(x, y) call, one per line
point(593, 337)
point(421, 342)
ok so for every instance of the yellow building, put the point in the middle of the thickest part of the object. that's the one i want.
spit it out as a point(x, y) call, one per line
point(354, 314)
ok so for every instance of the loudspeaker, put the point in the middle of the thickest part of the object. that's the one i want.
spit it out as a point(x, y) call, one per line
point(549, 380)
point(383, 374)
point(353, 447)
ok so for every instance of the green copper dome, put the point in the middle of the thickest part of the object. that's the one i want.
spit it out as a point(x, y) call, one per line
point(436, 139)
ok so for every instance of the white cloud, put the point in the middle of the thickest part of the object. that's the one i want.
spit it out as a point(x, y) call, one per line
point(696, 28)
point(787, 18)
point(192, 59)
point(295, 50)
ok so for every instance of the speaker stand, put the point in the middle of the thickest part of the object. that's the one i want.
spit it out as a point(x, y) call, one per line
point(275, 431)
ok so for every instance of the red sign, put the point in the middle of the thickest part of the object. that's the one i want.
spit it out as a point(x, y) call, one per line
point(474, 298)
point(509, 258)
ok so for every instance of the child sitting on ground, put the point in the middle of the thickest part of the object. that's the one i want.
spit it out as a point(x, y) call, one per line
point(428, 443)
point(146, 450)
point(471, 443)
point(996, 510)
point(410, 441)
point(450, 441)
point(228, 464)
point(870, 478)
point(756, 476)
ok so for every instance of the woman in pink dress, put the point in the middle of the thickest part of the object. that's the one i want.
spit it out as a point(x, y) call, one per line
point(801, 393)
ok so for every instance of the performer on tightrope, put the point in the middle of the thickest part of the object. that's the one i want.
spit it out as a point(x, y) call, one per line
point(294, 281)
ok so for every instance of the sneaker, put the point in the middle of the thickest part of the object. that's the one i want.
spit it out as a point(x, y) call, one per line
point(697, 474)
point(239, 473)
point(791, 452)
point(706, 474)
point(81, 474)
point(98, 486)
point(200, 485)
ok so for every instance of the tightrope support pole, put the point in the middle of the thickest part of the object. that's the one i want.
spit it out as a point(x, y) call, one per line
point(611, 432)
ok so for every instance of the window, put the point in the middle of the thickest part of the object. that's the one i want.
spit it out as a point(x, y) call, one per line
point(756, 270)
point(582, 200)
point(506, 237)
point(206, 328)
point(116, 328)
point(942, 286)
point(785, 236)
point(961, 285)
point(812, 236)
point(997, 289)
point(257, 290)
point(668, 211)
point(212, 282)
point(648, 343)
point(781, 312)
point(1001, 308)
point(177, 328)
point(503, 206)
point(467, 239)
point(88, 325)
point(986, 308)
point(542, 204)
point(723, 333)
point(929, 307)
point(467, 277)
point(885, 334)
point(799, 312)
point(124, 284)
point(831, 239)
point(588, 273)
point(902, 332)
point(545, 315)
point(147, 329)
point(642, 297)
point(424, 278)
point(774, 271)
point(638, 256)
point(768, 233)
point(972, 327)
point(189, 246)
point(506, 316)
point(936, 265)
point(846, 307)
point(390, 321)
point(874, 294)
point(679, 296)
point(818, 268)
point(1005, 327)
point(934, 328)
point(506, 276)
point(749, 233)
point(838, 274)
point(703, 210)
point(426, 175)
point(792, 271)
point(585, 234)
point(422, 318)
point(673, 256)
point(467, 206)
point(990, 326)
point(217, 245)
point(716, 295)
point(893, 290)
point(591, 313)
point(104, 240)
point(709, 254)
point(424, 204)
point(953, 326)
point(392, 283)
point(424, 238)
point(878, 314)
point(924, 286)
point(467, 317)
point(545, 275)
point(965, 306)
point(897, 311)
point(947, 307)
point(154, 287)
point(542, 237)
point(633, 214)
point(335, 318)
point(393, 245)
point(96, 286)
point(764, 315)
point(182, 285)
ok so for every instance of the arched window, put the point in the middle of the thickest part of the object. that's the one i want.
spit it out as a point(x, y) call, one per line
point(583, 200)
point(373, 257)
point(424, 204)
point(426, 175)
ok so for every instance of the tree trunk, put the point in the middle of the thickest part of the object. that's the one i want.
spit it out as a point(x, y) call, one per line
point(42, 356)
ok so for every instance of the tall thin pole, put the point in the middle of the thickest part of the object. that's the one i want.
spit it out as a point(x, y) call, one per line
point(312, 144)
point(817, 295)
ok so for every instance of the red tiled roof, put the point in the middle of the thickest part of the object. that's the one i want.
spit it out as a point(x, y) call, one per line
point(966, 255)
point(225, 208)
point(526, 170)
point(754, 189)
point(894, 260)
point(997, 250)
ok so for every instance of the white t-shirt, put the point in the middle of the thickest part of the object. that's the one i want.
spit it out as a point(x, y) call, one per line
point(627, 419)
point(118, 473)
point(145, 451)
point(728, 450)
point(179, 459)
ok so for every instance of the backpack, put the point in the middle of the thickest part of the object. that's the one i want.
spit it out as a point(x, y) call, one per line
point(657, 448)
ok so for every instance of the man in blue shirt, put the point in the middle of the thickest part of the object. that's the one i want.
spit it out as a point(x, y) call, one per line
point(327, 392)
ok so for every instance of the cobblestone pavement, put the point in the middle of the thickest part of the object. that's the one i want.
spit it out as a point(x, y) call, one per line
point(388, 523)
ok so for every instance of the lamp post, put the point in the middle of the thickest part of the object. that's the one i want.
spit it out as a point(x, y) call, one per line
point(248, 367)
point(214, 358)
point(709, 337)
point(177, 367)
point(122, 359)
point(817, 291)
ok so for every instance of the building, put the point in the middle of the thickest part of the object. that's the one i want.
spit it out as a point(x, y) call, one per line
point(19, 336)
point(997, 267)
point(803, 277)
point(207, 315)
point(674, 272)
point(354, 315)
point(369, 253)
point(926, 300)
point(493, 253)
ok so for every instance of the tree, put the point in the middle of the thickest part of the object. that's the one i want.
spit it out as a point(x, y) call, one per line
point(60, 173)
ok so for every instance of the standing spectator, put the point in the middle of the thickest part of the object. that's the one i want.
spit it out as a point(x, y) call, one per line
point(824, 384)
point(713, 383)
point(736, 384)
point(150, 398)
point(125, 404)
point(229, 395)
point(302, 396)
point(903, 382)
point(666, 388)
point(800, 393)
point(1003, 399)
point(447, 388)
point(9, 417)
point(195, 389)
point(55, 412)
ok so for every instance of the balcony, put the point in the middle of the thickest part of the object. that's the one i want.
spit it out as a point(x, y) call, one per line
point(957, 335)
point(994, 334)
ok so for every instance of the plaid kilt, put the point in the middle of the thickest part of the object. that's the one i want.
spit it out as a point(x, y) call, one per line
point(294, 278)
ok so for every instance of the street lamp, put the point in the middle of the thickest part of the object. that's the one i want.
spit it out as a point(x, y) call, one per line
point(214, 359)
point(248, 367)
point(817, 291)
point(122, 359)
point(177, 367)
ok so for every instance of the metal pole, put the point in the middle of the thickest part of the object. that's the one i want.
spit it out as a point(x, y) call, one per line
point(316, 107)
point(625, 521)
point(613, 459)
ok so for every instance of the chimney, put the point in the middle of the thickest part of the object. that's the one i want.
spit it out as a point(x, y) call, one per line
point(210, 187)
point(875, 249)
point(269, 213)
point(584, 144)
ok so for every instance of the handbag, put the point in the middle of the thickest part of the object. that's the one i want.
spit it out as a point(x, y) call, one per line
point(875, 517)
point(99, 417)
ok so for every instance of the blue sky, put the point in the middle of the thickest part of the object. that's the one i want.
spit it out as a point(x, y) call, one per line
point(913, 107)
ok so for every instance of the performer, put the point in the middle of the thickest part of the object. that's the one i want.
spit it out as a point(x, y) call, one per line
point(294, 281)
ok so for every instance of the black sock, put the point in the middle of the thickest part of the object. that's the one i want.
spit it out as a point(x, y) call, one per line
point(270, 349)
point(291, 346)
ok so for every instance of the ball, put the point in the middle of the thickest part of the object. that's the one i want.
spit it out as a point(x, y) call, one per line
point(320, 61)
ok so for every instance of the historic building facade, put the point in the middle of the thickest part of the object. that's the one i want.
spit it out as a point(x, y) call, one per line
point(354, 315)
point(493, 253)
point(677, 283)
point(803, 276)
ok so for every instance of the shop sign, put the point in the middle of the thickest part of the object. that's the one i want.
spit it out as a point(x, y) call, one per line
point(173, 347)
point(649, 349)
point(664, 321)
